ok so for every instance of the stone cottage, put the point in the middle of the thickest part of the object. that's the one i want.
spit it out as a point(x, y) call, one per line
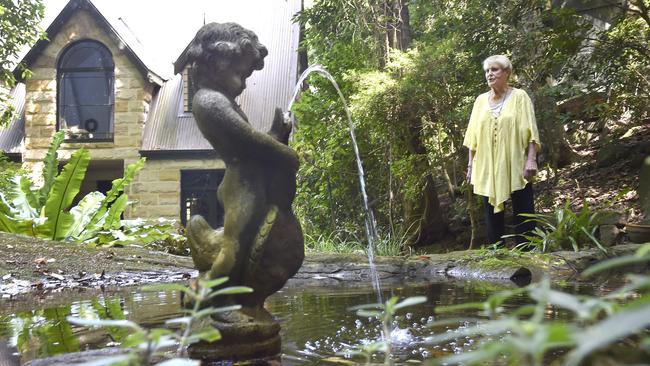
point(93, 83)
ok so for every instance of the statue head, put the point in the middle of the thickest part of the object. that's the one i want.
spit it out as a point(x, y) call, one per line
point(224, 55)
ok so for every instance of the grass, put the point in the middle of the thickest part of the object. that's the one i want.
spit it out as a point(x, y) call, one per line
point(344, 243)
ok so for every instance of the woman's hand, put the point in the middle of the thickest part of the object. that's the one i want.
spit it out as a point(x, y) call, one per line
point(530, 169)
point(470, 162)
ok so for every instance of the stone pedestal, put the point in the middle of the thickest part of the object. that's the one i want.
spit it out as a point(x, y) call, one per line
point(248, 337)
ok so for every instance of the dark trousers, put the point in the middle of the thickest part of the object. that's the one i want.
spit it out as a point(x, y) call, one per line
point(522, 202)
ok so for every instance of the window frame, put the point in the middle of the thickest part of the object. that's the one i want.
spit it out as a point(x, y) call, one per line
point(108, 69)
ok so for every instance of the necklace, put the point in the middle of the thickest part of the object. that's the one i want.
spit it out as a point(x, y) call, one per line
point(496, 108)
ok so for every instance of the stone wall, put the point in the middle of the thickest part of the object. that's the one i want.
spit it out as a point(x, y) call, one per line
point(132, 98)
point(157, 187)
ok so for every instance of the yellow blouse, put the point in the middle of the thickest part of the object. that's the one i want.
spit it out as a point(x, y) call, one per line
point(500, 146)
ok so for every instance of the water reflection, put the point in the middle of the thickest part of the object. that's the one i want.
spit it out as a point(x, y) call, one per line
point(316, 323)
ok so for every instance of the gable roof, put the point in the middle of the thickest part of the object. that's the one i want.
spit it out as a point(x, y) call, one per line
point(137, 58)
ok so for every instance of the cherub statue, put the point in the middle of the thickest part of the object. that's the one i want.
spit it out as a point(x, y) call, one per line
point(261, 243)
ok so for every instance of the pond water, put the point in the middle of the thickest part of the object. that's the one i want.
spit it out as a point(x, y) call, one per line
point(316, 322)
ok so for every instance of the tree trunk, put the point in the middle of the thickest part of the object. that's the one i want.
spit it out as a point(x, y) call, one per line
point(422, 214)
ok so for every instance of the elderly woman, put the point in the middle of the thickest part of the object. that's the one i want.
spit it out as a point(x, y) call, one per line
point(503, 141)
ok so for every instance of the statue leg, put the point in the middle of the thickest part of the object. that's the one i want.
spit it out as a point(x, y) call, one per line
point(211, 250)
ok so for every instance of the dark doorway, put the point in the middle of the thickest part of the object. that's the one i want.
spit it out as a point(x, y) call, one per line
point(199, 195)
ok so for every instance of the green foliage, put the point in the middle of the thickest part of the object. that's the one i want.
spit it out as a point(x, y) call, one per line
point(18, 27)
point(46, 213)
point(564, 229)
point(8, 171)
point(525, 337)
point(385, 313)
point(410, 105)
point(619, 63)
point(148, 343)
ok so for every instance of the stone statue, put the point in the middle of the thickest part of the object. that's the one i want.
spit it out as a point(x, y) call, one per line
point(261, 244)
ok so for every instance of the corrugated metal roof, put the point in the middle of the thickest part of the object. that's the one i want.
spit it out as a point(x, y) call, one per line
point(168, 128)
point(12, 138)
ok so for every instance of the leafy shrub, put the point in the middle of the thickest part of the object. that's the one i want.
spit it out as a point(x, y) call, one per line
point(8, 170)
point(526, 337)
point(45, 211)
point(564, 229)
point(146, 344)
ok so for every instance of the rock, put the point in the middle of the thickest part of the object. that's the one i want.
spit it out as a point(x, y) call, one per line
point(609, 235)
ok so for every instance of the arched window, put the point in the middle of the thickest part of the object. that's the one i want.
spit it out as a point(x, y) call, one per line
point(85, 76)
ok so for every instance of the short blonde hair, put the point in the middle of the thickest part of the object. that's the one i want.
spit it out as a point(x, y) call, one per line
point(501, 60)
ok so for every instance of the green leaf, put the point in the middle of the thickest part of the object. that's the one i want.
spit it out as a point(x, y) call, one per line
point(104, 323)
point(25, 200)
point(65, 188)
point(82, 212)
point(112, 221)
point(118, 186)
point(209, 311)
point(208, 334)
point(608, 331)
point(135, 339)
point(212, 283)
point(233, 290)
point(369, 313)
point(50, 169)
point(7, 223)
point(454, 308)
point(415, 300)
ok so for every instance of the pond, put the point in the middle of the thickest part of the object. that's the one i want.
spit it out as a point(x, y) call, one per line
point(316, 323)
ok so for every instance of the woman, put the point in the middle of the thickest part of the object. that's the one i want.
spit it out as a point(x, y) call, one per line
point(503, 141)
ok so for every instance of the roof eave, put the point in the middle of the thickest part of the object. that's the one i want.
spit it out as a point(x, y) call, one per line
point(58, 23)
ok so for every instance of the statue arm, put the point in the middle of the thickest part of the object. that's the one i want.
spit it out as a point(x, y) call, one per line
point(220, 122)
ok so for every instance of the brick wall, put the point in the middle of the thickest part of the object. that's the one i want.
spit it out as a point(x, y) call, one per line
point(132, 98)
point(157, 187)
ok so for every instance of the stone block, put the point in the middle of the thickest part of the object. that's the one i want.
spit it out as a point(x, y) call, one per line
point(137, 106)
point(45, 60)
point(168, 199)
point(121, 106)
point(121, 83)
point(37, 142)
point(41, 85)
point(36, 96)
point(155, 211)
point(43, 73)
point(163, 187)
point(169, 175)
point(148, 175)
point(46, 131)
point(150, 199)
point(39, 120)
point(126, 94)
point(138, 188)
point(32, 108)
